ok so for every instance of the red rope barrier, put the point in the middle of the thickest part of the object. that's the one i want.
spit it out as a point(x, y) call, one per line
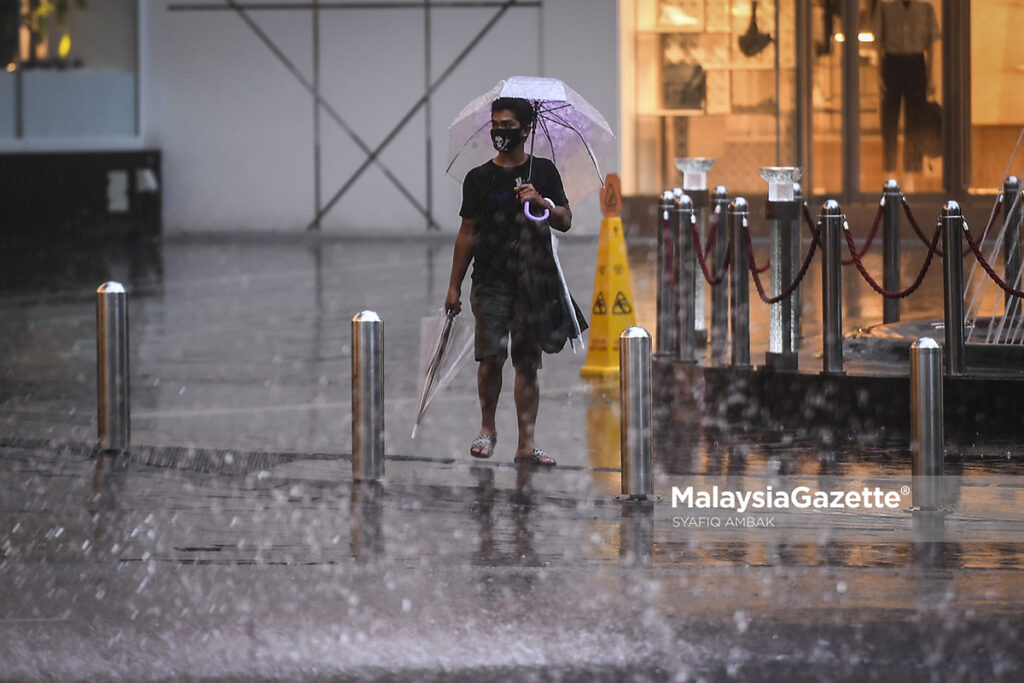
point(703, 259)
point(910, 216)
point(988, 268)
point(871, 236)
point(932, 250)
point(793, 285)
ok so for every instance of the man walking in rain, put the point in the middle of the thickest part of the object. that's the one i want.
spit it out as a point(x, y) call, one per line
point(493, 198)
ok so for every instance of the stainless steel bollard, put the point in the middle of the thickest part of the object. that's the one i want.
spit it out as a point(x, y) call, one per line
point(781, 353)
point(112, 376)
point(739, 284)
point(926, 438)
point(719, 292)
point(367, 397)
point(830, 224)
point(685, 296)
point(796, 244)
point(952, 221)
point(1011, 245)
point(892, 199)
point(695, 185)
point(666, 292)
point(636, 397)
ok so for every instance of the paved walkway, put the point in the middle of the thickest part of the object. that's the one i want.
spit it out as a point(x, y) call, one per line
point(233, 543)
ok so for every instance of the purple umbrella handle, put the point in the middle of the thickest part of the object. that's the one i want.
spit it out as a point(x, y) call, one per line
point(526, 210)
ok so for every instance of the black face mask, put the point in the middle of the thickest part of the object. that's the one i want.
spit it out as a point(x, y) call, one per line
point(506, 139)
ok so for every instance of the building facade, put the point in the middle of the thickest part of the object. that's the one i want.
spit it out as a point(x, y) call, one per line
point(293, 115)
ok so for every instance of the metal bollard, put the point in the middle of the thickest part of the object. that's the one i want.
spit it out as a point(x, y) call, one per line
point(112, 377)
point(635, 394)
point(796, 244)
point(1011, 246)
point(952, 222)
point(720, 292)
point(666, 292)
point(926, 438)
point(891, 198)
point(684, 277)
point(783, 210)
point(367, 397)
point(695, 185)
point(739, 284)
point(830, 224)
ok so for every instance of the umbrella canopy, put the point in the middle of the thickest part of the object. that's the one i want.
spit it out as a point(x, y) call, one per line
point(569, 131)
point(445, 342)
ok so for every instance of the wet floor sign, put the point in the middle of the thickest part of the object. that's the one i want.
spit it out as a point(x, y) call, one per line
point(612, 310)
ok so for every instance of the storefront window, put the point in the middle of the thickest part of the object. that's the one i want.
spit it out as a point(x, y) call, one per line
point(708, 78)
point(69, 68)
point(997, 92)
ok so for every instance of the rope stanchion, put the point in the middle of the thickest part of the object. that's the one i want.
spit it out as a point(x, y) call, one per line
point(713, 221)
point(932, 251)
point(702, 258)
point(913, 223)
point(973, 246)
point(756, 273)
point(871, 236)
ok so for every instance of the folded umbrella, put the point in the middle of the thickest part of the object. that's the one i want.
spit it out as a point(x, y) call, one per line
point(445, 342)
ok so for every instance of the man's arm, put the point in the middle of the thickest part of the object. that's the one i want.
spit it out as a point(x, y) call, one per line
point(461, 258)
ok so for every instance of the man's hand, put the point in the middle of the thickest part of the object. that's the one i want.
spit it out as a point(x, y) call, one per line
point(528, 193)
point(452, 302)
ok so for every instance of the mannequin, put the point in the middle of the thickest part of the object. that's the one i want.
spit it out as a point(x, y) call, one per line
point(905, 31)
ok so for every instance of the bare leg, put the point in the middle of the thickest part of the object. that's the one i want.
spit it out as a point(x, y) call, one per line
point(488, 384)
point(527, 397)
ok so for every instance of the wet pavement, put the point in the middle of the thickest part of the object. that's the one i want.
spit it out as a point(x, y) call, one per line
point(233, 543)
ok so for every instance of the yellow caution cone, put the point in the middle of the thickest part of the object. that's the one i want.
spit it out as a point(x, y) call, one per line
point(612, 310)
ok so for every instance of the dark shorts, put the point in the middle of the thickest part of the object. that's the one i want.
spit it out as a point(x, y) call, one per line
point(494, 309)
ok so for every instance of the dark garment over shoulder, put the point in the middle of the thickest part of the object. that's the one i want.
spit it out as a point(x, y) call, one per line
point(488, 196)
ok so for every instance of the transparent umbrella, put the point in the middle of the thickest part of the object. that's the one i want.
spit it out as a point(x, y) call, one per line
point(569, 131)
point(445, 342)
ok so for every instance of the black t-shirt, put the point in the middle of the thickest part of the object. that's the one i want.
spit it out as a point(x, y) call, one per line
point(488, 196)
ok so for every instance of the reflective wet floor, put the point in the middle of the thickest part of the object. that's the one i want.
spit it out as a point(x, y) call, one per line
point(232, 542)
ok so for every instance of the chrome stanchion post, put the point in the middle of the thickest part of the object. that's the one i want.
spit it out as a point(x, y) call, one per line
point(636, 400)
point(891, 201)
point(367, 397)
point(739, 284)
point(952, 222)
point(684, 273)
point(1011, 246)
point(666, 292)
point(720, 292)
point(926, 438)
point(695, 185)
point(112, 376)
point(830, 224)
point(796, 244)
point(782, 210)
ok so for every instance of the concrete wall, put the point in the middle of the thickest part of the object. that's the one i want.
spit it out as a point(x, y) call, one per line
point(237, 126)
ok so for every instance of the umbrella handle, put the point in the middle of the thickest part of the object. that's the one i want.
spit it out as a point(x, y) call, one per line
point(538, 219)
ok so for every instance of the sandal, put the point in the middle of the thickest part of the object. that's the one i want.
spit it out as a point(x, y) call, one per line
point(483, 446)
point(535, 457)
